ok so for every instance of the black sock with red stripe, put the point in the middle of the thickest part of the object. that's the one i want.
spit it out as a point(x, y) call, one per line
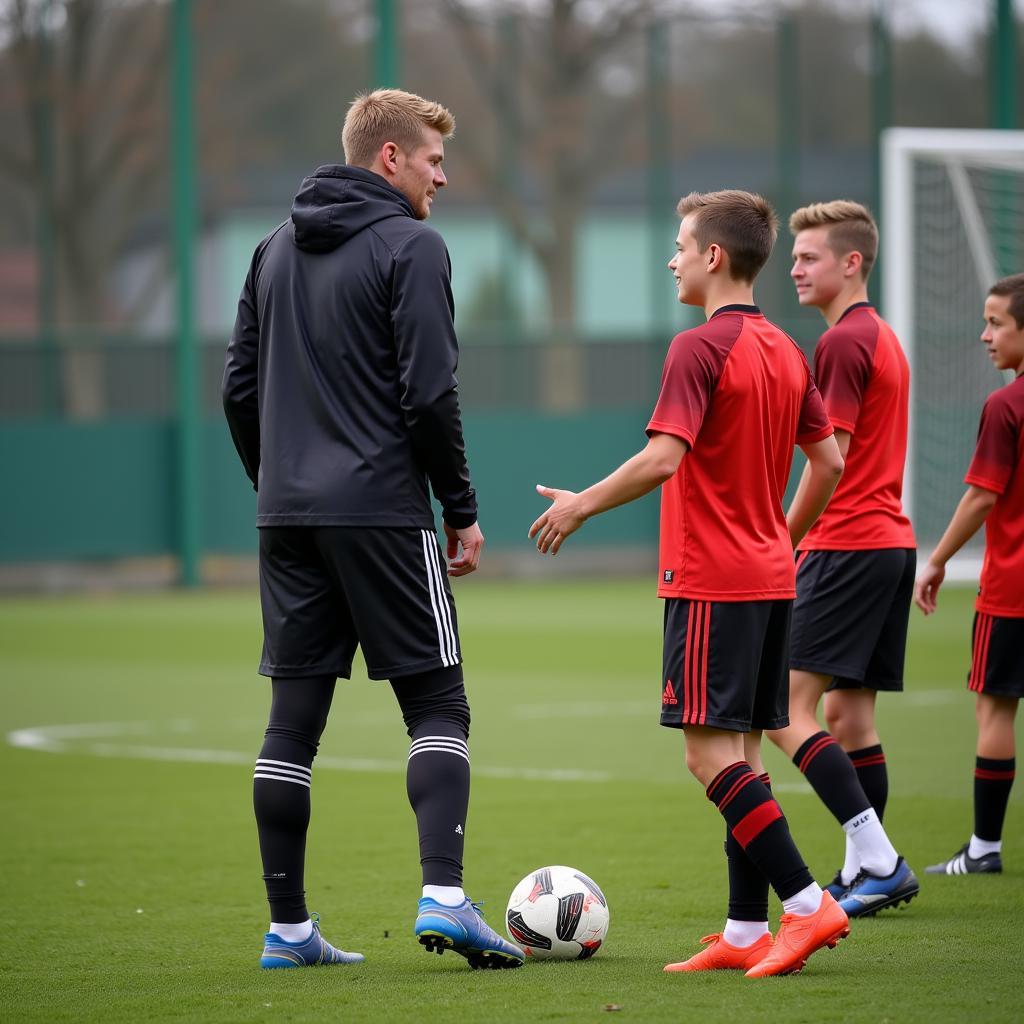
point(757, 823)
point(993, 780)
point(748, 886)
point(832, 776)
point(869, 763)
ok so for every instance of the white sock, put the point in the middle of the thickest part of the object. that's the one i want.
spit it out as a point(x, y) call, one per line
point(806, 901)
point(448, 895)
point(851, 863)
point(874, 850)
point(979, 847)
point(293, 932)
point(744, 933)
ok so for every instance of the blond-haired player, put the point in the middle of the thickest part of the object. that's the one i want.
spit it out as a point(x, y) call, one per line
point(855, 566)
point(341, 396)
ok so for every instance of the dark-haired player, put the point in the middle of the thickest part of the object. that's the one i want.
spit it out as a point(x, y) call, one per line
point(855, 567)
point(995, 497)
point(736, 395)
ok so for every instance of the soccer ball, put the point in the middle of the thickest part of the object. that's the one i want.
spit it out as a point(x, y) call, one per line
point(557, 913)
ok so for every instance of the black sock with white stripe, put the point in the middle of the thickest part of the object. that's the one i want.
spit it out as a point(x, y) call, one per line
point(281, 790)
point(437, 781)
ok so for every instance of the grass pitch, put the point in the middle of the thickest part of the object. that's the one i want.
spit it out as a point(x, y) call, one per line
point(129, 854)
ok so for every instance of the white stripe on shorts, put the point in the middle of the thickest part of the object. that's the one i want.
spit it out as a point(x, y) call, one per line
point(439, 602)
point(446, 609)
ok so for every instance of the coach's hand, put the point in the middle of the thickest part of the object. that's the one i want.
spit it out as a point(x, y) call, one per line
point(563, 518)
point(926, 589)
point(472, 543)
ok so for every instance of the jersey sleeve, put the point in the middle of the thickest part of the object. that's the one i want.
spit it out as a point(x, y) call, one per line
point(427, 350)
point(814, 423)
point(693, 367)
point(995, 454)
point(842, 369)
point(239, 386)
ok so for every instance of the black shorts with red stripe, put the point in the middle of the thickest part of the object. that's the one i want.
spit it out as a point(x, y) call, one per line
point(726, 664)
point(325, 590)
point(997, 656)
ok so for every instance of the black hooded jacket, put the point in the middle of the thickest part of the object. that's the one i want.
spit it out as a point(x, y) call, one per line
point(339, 386)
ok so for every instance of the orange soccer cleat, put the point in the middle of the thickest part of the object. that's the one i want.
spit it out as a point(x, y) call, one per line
point(721, 956)
point(800, 935)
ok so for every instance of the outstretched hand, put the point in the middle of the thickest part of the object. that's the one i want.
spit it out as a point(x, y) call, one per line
point(472, 543)
point(564, 517)
point(926, 589)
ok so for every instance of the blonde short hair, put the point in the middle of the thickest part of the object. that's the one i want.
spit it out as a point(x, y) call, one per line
point(390, 115)
point(851, 228)
point(742, 223)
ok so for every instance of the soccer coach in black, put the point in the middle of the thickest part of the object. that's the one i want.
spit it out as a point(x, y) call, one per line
point(341, 395)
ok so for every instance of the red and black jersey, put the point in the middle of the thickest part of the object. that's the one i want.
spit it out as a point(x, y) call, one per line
point(998, 465)
point(864, 380)
point(739, 392)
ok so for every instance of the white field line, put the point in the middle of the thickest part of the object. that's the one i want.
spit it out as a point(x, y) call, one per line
point(93, 739)
point(67, 739)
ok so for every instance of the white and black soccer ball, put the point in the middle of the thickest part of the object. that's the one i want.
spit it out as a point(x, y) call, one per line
point(557, 913)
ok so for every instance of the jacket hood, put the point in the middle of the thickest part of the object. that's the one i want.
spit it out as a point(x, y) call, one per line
point(337, 201)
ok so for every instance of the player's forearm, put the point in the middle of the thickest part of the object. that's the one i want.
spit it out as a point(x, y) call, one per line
point(798, 502)
point(807, 507)
point(633, 479)
point(821, 475)
point(968, 518)
point(817, 485)
point(437, 437)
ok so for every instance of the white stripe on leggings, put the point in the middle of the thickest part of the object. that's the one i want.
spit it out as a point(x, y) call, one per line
point(439, 744)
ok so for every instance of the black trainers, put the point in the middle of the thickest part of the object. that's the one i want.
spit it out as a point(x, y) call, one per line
point(962, 863)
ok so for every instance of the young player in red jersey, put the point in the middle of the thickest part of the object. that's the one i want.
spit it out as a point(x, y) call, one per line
point(736, 395)
point(855, 567)
point(995, 497)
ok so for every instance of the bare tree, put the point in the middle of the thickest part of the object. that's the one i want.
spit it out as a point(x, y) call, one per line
point(91, 150)
point(568, 131)
point(546, 73)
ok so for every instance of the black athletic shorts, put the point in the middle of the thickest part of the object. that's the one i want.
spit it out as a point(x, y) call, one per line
point(850, 616)
point(326, 589)
point(997, 656)
point(725, 664)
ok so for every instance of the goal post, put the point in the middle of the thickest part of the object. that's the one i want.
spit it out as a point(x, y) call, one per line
point(953, 217)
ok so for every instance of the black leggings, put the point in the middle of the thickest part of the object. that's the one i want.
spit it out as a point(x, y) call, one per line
point(436, 715)
point(299, 707)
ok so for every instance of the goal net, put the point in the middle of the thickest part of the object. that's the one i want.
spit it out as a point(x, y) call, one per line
point(953, 209)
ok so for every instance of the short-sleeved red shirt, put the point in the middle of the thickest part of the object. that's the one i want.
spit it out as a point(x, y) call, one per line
point(864, 380)
point(998, 465)
point(739, 392)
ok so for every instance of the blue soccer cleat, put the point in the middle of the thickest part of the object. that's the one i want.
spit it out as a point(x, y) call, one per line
point(870, 893)
point(313, 952)
point(463, 930)
point(837, 888)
